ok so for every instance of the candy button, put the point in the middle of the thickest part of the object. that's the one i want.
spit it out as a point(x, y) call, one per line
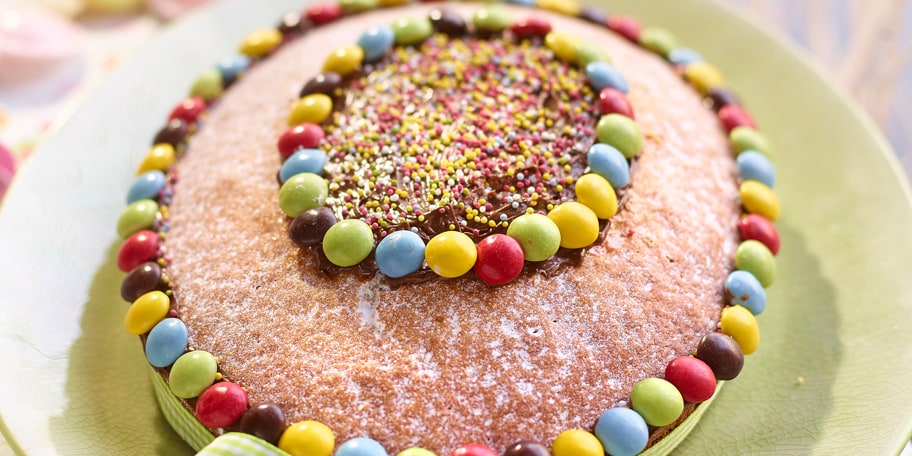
point(587, 53)
point(357, 6)
point(348, 242)
point(758, 228)
point(746, 138)
point(311, 109)
point(742, 288)
point(231, 67)
point(260, 43)
point(146, 312)
point(622, 431)
point(344, 60)
point(325, 83)
point(733, 116)
point(577, 223)
point(140, 247)
point(302, 192)
point(613, 101)
point(621, 132)
point(448, 23)
point(146, 186)
point(303, 161)
point(376, 42)
point(684, 56)
point(563, 45)
point(565, 7)
point(141, 280)
point(526, 448)
point(530, 27)
point(594, 15)
point(720, 97)
point(412, 30)
point(160, 158)
point(308, 438)
point(703, 76)
point(752, 256)
point(759, 199)
point(415, 452)
point(221, 405)
point(137, 216)
point(491, 19)
point(608, 162)
point(596, 193)
point(323, 13)
point(603, 75)
point(294, 23)
point(393, 2)
point(207, 85)
point(265, 421)
point(516, 2)
point(538, 236)
point(174, 133)
point(657, 401)
point(473, 449)
point(741, 325)
point(658, 40)
point(753, 165)
point(361, 446)
point(450, 254)
point(306, 136)
point(192, 373)
point(310, 226)
point(400, 253)
point(692, 377)
point(188, 110)
point(166, 342)
point(500, 259)
point(577, 442)
point(722, 354)
point(627, 27)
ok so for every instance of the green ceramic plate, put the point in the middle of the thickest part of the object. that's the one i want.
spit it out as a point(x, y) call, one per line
point(831, 375)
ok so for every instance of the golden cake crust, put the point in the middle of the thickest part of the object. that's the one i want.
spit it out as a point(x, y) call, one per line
point(447, 362)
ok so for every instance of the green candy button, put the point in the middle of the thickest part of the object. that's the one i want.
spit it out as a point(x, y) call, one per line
point(137, 216)
point(754, 257)
point(411, 30)
point(746, 138)
point(301, 193)
point(207, 86)
point(658, 40)
point(357, 6)
point(657, 401)
point(348, 242)
point(192, 373)
point(492, 19)
point(587, 53)
point(621, 132)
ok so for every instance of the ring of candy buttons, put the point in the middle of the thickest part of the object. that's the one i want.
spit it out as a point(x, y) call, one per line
point(145, 223)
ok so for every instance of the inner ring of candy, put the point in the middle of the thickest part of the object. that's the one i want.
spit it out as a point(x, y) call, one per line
point(513, 183)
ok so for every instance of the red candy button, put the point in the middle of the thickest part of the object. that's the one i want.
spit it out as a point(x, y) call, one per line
point(500, 259)
point(137, 249)
point(759, 228)
point(324, 13)
point(306, 135)
point(188, 110)
point(625, 26)
point(692, 377)
point(530, 27)
point(473, 449)
point(221, 404)
point(614, 101)
point(733, 116)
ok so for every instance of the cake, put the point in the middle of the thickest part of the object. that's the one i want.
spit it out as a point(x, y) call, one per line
point(437, 228)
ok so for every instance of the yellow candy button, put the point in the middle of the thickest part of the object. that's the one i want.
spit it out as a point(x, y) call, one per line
point(450, 254)
point(577, 442)
point(577, 223)
point(314, 108)
point(308, 438)
point(565, 7)
point(703, 76)
point(757, 198)
point(741, 325)
point(146, 312)
point(597, 194)
point(563, 45)
point(344, 60)
point(160, 158)
point(260, 43)
point(393, 2)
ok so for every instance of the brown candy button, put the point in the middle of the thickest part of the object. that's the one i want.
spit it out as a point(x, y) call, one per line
point(719, 98)
point(325, 83)
point(593, 15)
point(722, 354)
point(294, 23)
point(265, 421)
point(174, 133)
point(448, 23)
point(142, 279)
point(308, 228)
point(526, 448)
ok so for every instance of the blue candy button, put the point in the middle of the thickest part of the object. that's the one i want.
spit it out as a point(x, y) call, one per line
point(376, 41)
point(622, 431)
point(146, 186)
point(166, 342)
point(608, 162)
point(753, 165)
point(602, 75)
point(745, 290)
point(400, 253)
point(303, 161)
point(361, 446)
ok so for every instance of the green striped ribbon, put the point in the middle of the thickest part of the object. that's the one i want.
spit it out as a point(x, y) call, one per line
point(237, 443)
point(181, 420)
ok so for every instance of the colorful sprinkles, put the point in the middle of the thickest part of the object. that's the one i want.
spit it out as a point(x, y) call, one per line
point(565, 213)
